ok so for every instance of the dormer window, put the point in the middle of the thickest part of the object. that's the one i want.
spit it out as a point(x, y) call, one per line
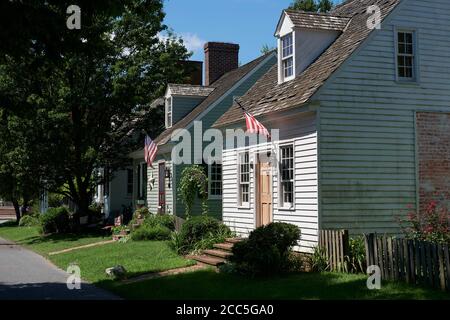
point(168, 112)
point(287, 56)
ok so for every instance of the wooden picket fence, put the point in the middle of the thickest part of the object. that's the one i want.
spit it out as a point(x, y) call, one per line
point(412, 261)
point(336, 245)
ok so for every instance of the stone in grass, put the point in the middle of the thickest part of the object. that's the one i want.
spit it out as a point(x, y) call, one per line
point(117, 272)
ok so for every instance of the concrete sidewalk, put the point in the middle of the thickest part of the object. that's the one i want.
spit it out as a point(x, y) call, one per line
point(26, 275)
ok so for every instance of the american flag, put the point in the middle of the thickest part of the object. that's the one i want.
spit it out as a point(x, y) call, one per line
point(254, 126)
point(150, 150)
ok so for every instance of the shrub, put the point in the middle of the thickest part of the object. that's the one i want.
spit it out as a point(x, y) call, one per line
point(319, 260)
point(200, 232)
point(433, 224)
point(146, 232)
point(267, 249)
point(55, 220)
point(193, 183)
point(29, 221)
point(165, 220)
point(356, 259)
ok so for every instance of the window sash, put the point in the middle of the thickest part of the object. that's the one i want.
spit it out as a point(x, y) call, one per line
point(286, 169)
point(169, 112)
point(287, 46)
point(405, 55)
point(215, 180)
point(288, 67)
point(244, 178)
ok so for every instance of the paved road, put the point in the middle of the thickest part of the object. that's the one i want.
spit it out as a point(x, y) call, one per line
point(26, 275)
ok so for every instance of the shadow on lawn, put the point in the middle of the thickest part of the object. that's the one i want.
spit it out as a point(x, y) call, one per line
point(204, 285)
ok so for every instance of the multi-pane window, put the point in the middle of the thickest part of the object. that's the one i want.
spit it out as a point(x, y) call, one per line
point(215, 179)
point(287, 55)
point(129, 182)
point(405, 55)
point(287, 175)
point(244, 178)
point(169, 112)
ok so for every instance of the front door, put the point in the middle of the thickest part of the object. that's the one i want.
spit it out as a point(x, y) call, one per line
point(264, 194)
point(162, 187)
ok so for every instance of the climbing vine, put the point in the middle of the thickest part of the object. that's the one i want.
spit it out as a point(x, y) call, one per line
point(193, 183)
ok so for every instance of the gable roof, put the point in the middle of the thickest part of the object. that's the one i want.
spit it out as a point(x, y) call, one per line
point(221, 87)
point(190, 90)
point(268, 96)
point(313, 20)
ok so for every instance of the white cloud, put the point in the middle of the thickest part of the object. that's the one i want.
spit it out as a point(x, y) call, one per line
point(191, 40)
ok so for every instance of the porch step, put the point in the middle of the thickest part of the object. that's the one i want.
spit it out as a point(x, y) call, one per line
point(224, 246)
point(209, 260)
point(218, 253)
point(234, 240)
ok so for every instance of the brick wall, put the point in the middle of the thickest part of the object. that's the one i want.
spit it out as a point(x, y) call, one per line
point(220, 58)
point(433, 141)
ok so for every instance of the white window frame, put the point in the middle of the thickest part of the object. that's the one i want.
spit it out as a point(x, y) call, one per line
point(414, 55)
point(241, 203)
point(169, 105)
point(284, 59)
point(281, 204)
point(210, 181)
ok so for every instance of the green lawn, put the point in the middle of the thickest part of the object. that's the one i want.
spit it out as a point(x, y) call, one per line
point(137, 257)
point(211, 285)
point(29, 237)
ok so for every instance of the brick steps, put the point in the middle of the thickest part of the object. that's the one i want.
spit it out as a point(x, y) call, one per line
point(219, 255)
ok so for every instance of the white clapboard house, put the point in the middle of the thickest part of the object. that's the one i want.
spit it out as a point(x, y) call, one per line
point(364, 120)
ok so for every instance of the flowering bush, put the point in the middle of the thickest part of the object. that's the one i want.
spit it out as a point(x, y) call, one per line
point(433, 224)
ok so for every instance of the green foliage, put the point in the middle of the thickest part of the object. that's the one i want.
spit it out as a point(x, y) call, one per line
point(319, 260)
point(167, 221)
point(55, 200)
point(198, 233)
point(356, 259)
point(267, 249)
point(60, 90)
point(193, 183)
point(147, 232)
point(432, 224)
point(55, 220)
point(29, 221)
point(265, 49)
point(312, 5)
point(116, 230)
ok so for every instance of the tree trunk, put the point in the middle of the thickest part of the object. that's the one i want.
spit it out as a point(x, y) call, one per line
point(17, 209)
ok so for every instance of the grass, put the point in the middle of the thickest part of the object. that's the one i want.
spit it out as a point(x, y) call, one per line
point(29, 237)
point(136, 256)
point(209, 285)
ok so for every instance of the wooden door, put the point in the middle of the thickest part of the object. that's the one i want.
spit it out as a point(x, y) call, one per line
point(162, 187)
point(264, 196)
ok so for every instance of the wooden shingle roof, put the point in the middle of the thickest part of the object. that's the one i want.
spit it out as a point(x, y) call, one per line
point(190, 90)
point(221, 87)
point(267, 96)
point(312, 20)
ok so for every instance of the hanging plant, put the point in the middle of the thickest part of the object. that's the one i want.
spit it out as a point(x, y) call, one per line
point(193, 183)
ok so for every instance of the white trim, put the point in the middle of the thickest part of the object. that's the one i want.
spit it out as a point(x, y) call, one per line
point(169, 100)
point(228, 92)
point(240, 204)
point(281, 59)
point(291, 206)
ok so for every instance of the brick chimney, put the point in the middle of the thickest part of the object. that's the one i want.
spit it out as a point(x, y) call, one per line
point(219, 59)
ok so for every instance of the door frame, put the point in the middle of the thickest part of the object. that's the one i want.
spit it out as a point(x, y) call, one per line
point(163, 179)
point(257, 163)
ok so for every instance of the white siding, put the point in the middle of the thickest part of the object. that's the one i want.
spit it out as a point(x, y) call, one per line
point(299, 130)
point(367, 131)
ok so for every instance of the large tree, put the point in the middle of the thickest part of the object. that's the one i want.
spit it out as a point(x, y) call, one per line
point(86, 92)
point(312, 5)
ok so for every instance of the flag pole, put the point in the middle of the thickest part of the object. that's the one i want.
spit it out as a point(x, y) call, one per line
point(240, 105)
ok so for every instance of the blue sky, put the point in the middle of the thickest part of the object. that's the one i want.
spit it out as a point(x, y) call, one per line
point(250, 23)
